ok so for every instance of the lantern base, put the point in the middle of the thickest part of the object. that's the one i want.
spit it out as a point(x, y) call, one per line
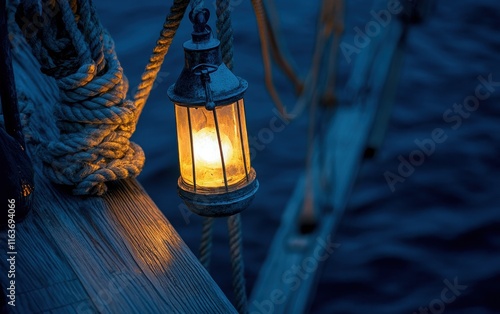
point(222, 204)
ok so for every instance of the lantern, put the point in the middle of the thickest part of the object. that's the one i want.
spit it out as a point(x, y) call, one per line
point(216, 178)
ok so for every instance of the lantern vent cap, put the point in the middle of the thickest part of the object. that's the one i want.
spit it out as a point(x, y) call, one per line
point(205, 78)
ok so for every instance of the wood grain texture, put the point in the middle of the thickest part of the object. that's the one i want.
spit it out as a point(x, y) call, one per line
point(111, 254)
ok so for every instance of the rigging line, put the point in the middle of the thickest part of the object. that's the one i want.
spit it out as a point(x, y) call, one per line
point(224, 29)
point(208, 222)
point(197, 6)
point(225, 35)
point(312, 78)
point(268, 74)
point(206, 242)
point(335, 26)
point(163, 43)
point(276, 47)
point(225, 32)
point(327, 28)
point(308, 217)
point(237, 264)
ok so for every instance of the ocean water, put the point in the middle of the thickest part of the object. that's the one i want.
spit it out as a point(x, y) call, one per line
point(430, 246)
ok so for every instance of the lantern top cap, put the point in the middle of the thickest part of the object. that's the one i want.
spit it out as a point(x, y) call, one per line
point(205, 79)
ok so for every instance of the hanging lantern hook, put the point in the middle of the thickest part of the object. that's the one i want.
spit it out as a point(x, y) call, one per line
point(201, 31)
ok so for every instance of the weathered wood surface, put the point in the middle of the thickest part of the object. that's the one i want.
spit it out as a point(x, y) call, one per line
point(288, 277)
point(116, 254)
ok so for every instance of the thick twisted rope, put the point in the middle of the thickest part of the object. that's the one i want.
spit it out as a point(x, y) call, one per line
point(208, 222)
point(225, 35)
point(206, 242)
point(262, 25)
point(225, 31)
point(237, 264)
point(276, 48)
point(95, 121)
point(197, 6)
point(330, 27)
point(163, 43)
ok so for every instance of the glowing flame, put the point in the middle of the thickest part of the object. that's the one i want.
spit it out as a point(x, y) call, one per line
point(206, 149)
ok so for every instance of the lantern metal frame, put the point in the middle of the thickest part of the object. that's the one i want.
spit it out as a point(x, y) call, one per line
point(206, 81)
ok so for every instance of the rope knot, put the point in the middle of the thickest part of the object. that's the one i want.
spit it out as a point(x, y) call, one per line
point(94, 120)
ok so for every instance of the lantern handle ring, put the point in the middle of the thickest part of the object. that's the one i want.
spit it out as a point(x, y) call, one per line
point(203, 70)
point(199, 19)
point(200, 68)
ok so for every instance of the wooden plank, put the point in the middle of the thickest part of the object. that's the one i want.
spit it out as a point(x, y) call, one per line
point(111, 254)
point(288, 277)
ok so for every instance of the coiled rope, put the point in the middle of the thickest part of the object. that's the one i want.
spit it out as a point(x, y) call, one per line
point(94, 119)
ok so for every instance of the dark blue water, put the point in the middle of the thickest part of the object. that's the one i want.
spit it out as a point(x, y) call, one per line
point(433, 243)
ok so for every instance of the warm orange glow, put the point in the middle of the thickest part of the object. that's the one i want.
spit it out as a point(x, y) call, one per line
point(208, 168)
point(207, 156)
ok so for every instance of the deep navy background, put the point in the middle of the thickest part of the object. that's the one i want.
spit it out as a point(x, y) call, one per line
point(397, 248)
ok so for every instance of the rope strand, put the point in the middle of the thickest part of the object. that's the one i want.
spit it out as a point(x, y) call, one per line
point(276, 47)
point(237, 264)
point(206, 242)
point(225, 35)
point(263, 33)
point(163, 43)
point(225, 32)
point(197, 6)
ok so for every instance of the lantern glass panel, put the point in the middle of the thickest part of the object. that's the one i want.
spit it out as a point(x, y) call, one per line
point(242, 122)
point(198, 141)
